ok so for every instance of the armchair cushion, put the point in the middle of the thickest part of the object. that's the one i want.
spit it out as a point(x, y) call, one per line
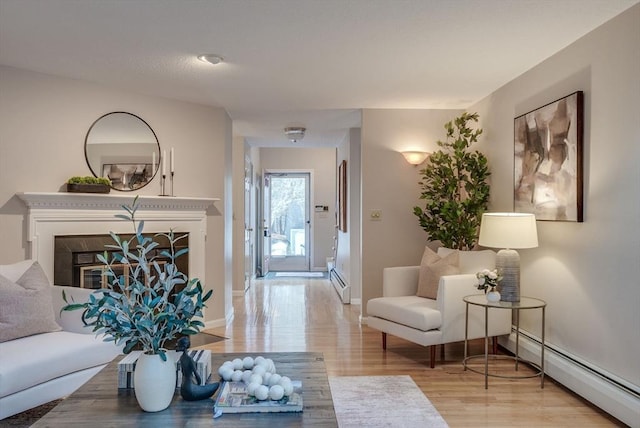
point(27, 307)
point(411, 311)
point(432, 267)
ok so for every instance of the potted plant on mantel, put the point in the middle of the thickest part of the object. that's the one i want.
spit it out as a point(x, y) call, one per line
point(144, 308)
point(88, 184)
point(454, 187)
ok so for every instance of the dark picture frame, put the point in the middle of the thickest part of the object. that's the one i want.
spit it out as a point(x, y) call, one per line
point(342, 196)
point(548, 165)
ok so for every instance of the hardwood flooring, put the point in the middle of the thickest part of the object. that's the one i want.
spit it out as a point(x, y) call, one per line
point(306, 315)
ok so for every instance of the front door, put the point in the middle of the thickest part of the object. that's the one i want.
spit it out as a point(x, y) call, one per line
point(287, 206)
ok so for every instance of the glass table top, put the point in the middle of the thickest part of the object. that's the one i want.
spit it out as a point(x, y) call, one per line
point(524, 303)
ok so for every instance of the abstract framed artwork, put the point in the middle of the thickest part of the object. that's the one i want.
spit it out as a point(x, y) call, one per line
point(128, 176)
point(342, 196)
point(548, 160)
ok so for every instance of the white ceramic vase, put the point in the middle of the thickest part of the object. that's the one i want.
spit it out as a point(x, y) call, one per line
point(493, 296)
point(154, 382)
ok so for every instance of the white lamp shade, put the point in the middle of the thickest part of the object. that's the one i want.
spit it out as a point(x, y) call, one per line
point(415, 158)
point(508, 230)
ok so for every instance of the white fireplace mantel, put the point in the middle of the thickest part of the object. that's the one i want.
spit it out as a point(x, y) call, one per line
point(56, 214)
point(97, 201)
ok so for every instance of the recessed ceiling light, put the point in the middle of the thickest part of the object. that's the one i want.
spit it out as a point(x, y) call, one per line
point(211, 58)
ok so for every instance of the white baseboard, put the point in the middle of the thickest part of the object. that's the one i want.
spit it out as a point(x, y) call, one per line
point(355, 301)
point(616, 396)
point(215, 323)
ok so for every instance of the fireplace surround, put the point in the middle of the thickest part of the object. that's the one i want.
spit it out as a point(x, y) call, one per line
point(52, 215)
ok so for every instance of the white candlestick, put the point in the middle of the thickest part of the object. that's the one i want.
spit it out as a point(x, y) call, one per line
point(164, 162)
point(172, 160)
point(153, 164)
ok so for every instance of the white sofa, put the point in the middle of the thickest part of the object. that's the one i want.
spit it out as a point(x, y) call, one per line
point(43, 367)
point(429, 322)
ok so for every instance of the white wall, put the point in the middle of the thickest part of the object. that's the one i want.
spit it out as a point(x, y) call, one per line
point(43, 123)
point(348, 261)
point(238, 214)
point(390, 184)
point(589, 273)
point(322, 162)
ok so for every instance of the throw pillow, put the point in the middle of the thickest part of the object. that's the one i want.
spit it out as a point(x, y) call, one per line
point(432, 267)
point(26, 307)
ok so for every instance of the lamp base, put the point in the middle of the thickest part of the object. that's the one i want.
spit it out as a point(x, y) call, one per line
point(508, 265)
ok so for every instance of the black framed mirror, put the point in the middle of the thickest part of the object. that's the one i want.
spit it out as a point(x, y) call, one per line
point(123, 148)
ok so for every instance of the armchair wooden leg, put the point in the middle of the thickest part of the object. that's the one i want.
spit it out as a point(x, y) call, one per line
point(432, 352)
point(384, 340)
point(495, 344)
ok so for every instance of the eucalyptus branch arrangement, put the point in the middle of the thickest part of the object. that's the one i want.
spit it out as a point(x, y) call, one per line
point(454, 187)
point(144, 303)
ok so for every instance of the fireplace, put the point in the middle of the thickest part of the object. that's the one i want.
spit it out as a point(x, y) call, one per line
point(76, 262)
point(54, 215)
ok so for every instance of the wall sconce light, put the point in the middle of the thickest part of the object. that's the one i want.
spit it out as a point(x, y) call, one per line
point(415, 158)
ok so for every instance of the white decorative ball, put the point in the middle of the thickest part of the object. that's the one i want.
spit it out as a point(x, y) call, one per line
point(251, 389)
point(237, 376)
point(259, 370)
point(285, 379)
point(255, 378)
point(247, 363)
point(262, 392)
point(226, 373)
point(272, 366)
point(237, 364)
point(274, 379)
point(246, 375)
point(287, 387)
point(265, 378)
point(276, 392)
point(258, 360)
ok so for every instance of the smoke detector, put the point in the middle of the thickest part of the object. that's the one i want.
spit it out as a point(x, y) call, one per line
point(294, 134)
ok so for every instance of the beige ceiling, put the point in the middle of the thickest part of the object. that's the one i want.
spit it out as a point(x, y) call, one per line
point(313, 63)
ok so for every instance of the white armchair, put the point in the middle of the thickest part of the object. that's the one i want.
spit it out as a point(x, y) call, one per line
point(429, 322)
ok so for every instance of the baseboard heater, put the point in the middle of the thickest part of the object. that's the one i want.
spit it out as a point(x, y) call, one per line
point(605, 390)
point(343, 290)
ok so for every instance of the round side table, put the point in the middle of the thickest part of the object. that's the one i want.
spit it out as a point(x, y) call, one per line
point(524, 304)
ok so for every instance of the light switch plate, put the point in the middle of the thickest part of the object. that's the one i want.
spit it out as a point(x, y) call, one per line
point(375, 215)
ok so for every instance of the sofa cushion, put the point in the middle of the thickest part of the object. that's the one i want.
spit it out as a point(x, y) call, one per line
point(471, 261)
point(15, 270)
point(32, 360)
point(432, 267)
point(26, 307)
point(412, 311)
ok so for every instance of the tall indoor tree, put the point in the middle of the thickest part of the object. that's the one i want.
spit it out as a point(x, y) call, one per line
point(454, 187)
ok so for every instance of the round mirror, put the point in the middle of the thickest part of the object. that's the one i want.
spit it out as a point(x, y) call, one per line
point(123, 148)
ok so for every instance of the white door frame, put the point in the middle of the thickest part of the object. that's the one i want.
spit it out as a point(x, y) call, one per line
point(308, 212)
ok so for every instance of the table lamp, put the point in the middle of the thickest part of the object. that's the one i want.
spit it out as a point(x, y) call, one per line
point(508, 231)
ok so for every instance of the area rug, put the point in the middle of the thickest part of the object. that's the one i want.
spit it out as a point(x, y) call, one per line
point(300, 274)
point(382, 401)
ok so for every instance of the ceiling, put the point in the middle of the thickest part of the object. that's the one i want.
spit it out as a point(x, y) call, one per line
point(297, 62)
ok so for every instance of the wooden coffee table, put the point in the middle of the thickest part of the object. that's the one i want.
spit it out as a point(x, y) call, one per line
point(99, 402)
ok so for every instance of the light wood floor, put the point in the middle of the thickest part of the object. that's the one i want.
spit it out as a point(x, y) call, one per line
point(297, 315)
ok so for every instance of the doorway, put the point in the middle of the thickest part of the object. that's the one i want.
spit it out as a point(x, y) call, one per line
point(287, 221)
